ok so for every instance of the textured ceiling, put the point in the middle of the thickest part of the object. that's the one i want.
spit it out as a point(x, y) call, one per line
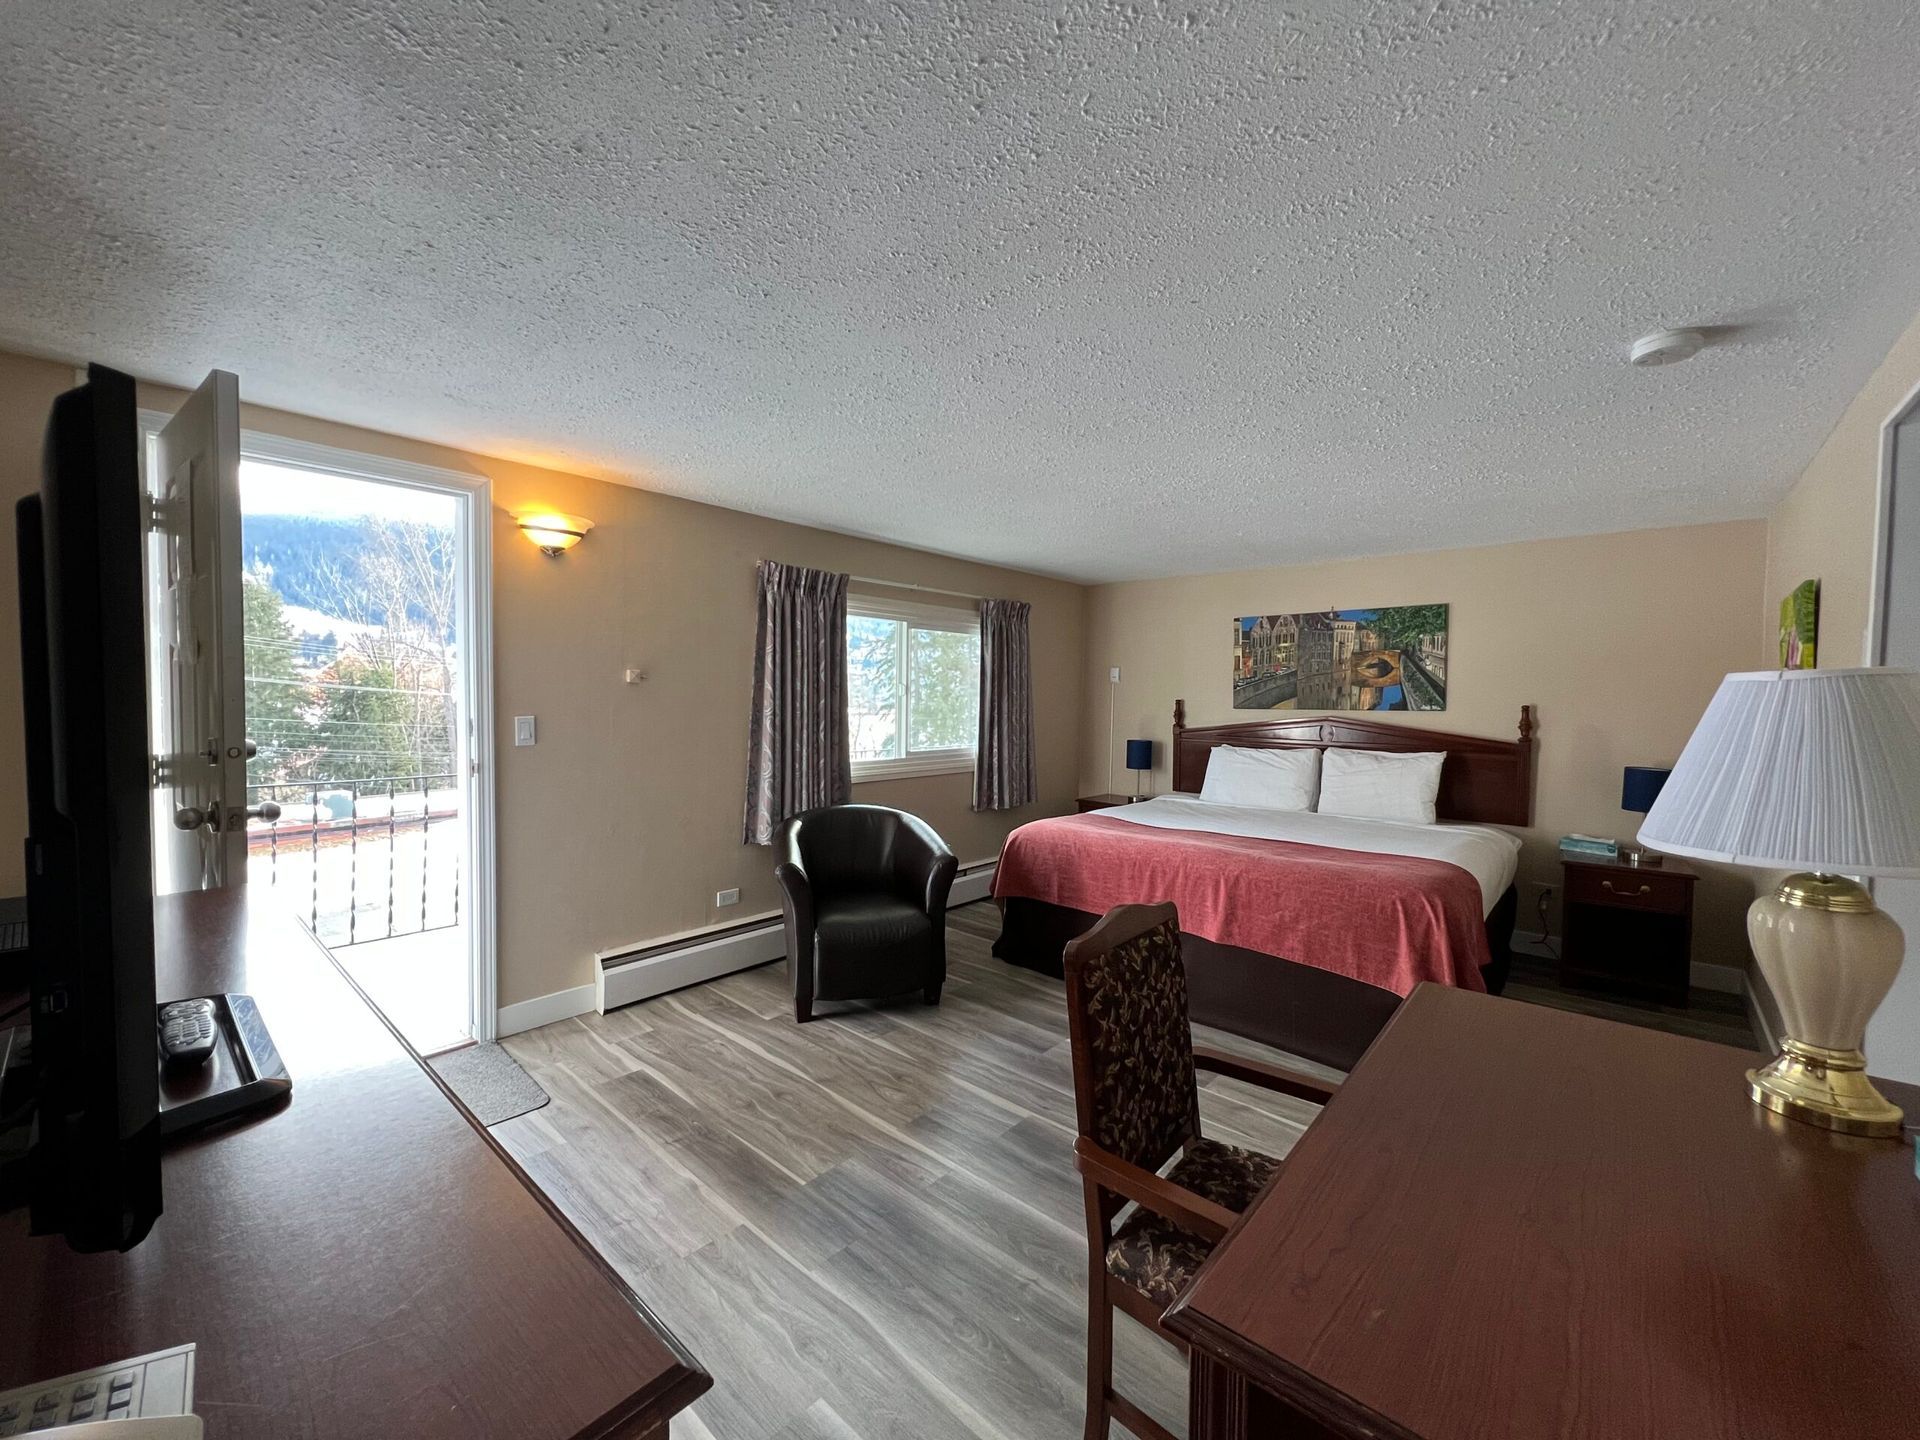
point(1102, 290)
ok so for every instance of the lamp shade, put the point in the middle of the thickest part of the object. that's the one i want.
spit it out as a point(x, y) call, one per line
point(1800, 770)
point(1139, 754)
point(1640, 787)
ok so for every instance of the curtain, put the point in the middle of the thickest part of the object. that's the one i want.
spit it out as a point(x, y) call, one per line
point(1003, 768)
point(797, 743)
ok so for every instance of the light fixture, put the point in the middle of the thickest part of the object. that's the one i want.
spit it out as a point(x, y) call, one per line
point(1816, 771)
point(1666, 347)
point(555, 533)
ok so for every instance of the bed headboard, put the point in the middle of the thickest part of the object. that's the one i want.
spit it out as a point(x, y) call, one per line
point(1490, 781)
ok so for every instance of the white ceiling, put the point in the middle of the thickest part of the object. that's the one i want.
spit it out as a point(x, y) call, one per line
point(1102, 290)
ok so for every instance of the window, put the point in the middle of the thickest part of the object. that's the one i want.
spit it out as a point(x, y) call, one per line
point(913, 688)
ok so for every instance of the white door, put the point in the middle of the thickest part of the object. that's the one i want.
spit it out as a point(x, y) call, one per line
point(1893, 1036)
point(199, 701)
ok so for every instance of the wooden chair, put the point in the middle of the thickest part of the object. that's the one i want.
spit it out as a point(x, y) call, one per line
point(1134, 1086)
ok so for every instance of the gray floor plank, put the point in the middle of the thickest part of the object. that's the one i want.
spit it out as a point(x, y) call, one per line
point(870, 1226)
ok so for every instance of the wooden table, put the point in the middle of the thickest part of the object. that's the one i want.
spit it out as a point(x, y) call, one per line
point(366, 1261)
point(1517, 1222)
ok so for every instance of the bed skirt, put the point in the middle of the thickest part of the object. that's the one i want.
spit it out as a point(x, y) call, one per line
point(1305, 1011)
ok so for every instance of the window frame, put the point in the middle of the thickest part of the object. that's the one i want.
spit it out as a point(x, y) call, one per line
point(915, 616)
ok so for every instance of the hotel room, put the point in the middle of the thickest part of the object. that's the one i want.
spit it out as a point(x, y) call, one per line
point(823, 723)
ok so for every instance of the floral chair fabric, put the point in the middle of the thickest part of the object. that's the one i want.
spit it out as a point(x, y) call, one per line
point(1157, 1257)
point(1140, 1047)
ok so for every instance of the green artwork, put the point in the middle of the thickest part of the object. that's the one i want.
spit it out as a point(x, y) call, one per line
point(1800, 626)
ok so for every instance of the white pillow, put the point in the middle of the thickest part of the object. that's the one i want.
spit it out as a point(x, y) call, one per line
point(1271, 779)
point(1380, 785)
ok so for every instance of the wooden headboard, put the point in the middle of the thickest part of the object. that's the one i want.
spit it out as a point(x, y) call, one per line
point(1490, 781)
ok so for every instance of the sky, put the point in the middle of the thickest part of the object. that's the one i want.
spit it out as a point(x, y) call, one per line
point(267, 489)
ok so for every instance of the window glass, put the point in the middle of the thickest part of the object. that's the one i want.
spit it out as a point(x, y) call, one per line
point(874, 699)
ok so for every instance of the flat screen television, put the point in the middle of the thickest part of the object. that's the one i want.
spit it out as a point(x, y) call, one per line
point(93, 1167)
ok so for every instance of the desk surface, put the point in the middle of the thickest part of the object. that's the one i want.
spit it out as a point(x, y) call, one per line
point(1517, 1222)
point(365, 1261)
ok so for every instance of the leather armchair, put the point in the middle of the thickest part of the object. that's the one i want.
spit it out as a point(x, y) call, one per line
point(864, 889)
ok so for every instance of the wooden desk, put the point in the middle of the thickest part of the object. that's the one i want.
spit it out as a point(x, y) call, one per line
point(1516, 1222)
point(366, 1261)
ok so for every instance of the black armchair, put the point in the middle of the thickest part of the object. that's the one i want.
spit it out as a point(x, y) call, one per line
point(865, 893)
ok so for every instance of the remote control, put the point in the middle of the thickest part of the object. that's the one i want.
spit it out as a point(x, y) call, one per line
point(186, 1033)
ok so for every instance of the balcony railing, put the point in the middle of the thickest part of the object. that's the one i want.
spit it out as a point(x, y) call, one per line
point(370, 859)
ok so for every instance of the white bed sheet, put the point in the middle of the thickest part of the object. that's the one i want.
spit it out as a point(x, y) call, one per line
point(1487, 853)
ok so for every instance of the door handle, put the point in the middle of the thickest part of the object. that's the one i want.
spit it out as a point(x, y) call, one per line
point(189, 817)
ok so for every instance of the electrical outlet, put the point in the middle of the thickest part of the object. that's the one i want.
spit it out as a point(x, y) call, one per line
point(1113, 675)
point(726, 897)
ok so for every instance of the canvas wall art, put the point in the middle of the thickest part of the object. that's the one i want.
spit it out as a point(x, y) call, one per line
point(1800, 626)
point(1393, 658)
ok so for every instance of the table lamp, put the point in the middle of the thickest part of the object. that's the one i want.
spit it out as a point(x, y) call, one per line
point(1639, 788)
point(1815, 771)
point(1139, 757)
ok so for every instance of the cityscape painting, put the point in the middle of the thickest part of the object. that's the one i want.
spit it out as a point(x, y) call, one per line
point(1394, 658)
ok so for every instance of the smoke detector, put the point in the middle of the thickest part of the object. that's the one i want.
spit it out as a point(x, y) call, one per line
point(1666, 347)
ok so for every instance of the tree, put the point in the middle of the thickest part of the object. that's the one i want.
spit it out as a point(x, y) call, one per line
point(368, 725)
point(399, 578)
point(277, 697)
point(1402, 627)
point(945, 673)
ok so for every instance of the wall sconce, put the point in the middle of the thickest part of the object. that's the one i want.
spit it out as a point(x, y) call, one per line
point(552, 531)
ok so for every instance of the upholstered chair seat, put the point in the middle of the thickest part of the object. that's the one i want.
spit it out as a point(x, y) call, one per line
point(1158, 1258)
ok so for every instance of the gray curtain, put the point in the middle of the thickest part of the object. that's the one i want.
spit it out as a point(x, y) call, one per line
point(1003, 768)
point(797, 744)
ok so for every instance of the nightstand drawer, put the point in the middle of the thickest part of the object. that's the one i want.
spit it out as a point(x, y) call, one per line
point(1629, 889)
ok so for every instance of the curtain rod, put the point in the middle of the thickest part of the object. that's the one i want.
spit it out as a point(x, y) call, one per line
point(924, 589)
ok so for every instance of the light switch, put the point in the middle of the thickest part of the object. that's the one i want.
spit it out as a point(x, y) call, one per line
point(523, 729)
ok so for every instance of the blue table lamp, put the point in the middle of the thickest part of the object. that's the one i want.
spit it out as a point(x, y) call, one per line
point(1639, 788)
point(1139, 757)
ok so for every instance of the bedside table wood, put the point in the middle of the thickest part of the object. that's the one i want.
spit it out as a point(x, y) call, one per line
point(1106, 802)
point(1627, 926)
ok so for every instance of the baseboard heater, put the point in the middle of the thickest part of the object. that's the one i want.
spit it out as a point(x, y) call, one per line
point(621, 977)
point(974, 882)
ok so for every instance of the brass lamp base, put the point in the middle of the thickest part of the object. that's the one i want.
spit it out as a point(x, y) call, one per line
point(1829, 956)
point(1828, 1088)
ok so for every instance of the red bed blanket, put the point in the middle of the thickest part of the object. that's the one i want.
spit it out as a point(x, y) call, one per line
point(1385, 920)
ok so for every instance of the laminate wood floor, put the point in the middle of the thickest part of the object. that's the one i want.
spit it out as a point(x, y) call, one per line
point(870, 1227)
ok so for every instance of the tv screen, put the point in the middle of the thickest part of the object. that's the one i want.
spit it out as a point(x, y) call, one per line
point(94, 1166)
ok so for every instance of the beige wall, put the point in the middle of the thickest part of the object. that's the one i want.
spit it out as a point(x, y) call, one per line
point(1618, 641)
point(1823, 529)
point(624, 820)
point(27, 388)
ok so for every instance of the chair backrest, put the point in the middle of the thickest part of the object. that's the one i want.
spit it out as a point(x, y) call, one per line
point(848, 847)
point(1133, 1081)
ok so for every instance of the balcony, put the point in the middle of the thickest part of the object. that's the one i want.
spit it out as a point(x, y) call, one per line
point(374, 867)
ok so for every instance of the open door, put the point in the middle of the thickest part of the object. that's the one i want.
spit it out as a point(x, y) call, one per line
point(199, 702)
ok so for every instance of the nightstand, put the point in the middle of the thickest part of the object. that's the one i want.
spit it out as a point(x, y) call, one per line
point(1106, 802)
point(1627, 926)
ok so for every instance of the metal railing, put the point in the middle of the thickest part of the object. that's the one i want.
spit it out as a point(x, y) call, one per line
point(378, 857)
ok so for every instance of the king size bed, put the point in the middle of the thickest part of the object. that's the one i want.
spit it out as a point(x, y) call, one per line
point(1300, 929)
